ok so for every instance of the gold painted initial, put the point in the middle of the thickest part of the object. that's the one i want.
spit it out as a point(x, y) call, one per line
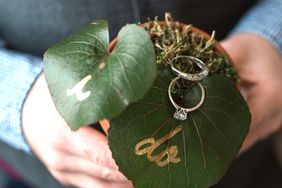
point(77, 89)
point(165, 157)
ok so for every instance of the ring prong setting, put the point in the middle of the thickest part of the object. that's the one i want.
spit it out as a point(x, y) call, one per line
point(180, 114)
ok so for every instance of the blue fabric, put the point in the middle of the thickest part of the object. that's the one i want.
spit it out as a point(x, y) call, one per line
point(19, 71)
point(17, 74)
point(264, 19)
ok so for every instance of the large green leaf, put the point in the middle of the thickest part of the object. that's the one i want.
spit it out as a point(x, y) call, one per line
point(89, 83)
point(201, 148)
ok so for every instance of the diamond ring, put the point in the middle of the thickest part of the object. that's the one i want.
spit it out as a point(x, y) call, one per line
point(192, 77)
point(181, 113)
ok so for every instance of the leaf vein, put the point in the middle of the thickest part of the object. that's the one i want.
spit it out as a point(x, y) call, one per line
point(96, 37)
point(185, 155)
point(200, 139)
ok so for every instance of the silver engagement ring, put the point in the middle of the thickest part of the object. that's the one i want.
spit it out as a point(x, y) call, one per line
point(181, 113)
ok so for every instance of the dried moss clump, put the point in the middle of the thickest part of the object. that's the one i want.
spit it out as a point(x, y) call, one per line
point(171, 40)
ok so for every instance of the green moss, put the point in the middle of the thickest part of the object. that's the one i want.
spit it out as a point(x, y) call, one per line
point(171, 40)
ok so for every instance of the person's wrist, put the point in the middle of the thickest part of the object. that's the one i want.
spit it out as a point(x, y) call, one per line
point(25, 115)
point(29, 106)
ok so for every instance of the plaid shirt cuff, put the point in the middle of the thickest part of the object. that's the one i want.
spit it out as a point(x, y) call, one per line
point(264, 19)
point(17, 74)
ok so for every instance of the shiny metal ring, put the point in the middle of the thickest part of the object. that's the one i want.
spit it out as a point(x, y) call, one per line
point(192, 77)
point(181, 113)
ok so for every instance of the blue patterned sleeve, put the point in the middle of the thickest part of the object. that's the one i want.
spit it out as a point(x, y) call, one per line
point(17, 74)
point(264, 19)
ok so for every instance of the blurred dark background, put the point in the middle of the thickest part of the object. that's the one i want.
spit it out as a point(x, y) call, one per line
point(257, 168)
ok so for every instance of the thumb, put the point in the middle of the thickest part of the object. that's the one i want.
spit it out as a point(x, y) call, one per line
point(93, 145)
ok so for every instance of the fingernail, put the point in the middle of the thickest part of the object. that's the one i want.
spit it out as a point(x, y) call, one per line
point(106, 173)
point(116, 176)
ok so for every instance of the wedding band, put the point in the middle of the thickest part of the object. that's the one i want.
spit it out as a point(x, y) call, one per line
point(181, 113)
point(192, 77)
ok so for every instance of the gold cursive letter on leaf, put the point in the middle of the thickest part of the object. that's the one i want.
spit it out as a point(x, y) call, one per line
point(163, 158)
point(77, 89)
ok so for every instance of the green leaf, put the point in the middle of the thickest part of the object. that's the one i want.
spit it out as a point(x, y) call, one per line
point(201, 147)
point(89, 83)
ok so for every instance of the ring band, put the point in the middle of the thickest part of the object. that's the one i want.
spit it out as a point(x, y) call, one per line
point(181, 113)
point(192, 77)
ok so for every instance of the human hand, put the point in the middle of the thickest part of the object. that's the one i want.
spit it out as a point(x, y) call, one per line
point(259, 67)
point(80, 158)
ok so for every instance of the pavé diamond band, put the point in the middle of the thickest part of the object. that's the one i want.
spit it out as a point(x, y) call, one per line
point(192, 77)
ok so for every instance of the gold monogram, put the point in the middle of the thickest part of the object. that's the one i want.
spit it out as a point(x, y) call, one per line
point(77, 89)
point(165, 157)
